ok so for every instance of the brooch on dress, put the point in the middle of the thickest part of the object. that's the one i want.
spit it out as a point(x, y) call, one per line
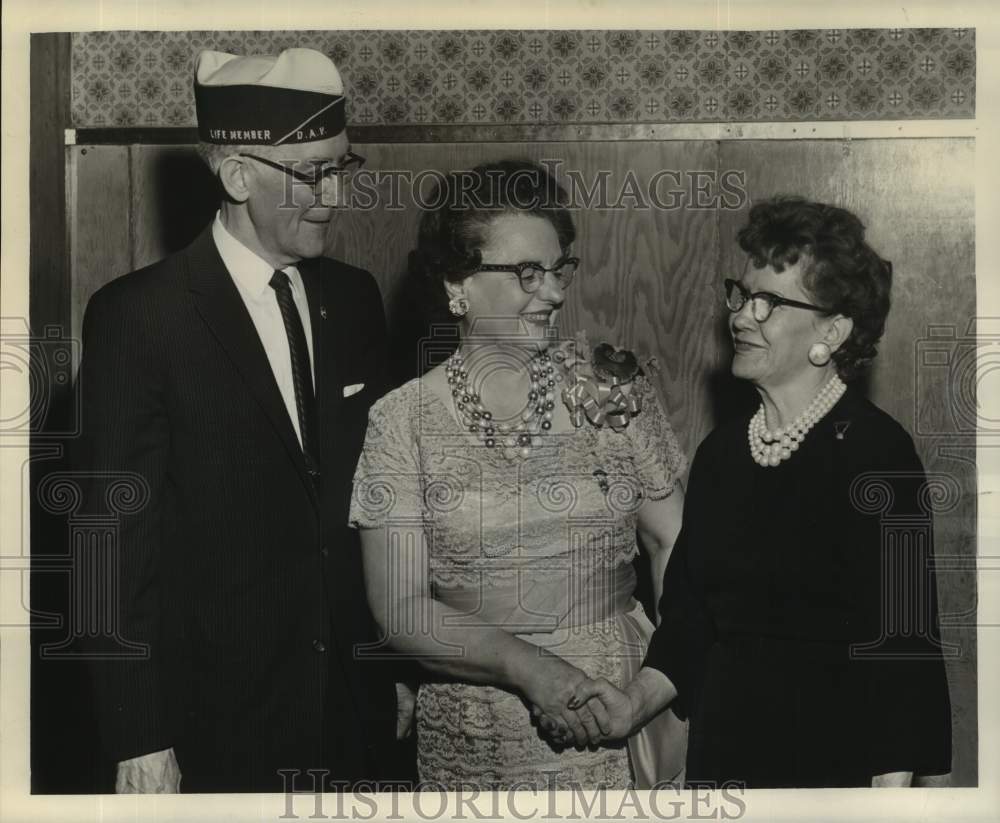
point(600, 387)
point(601, 477)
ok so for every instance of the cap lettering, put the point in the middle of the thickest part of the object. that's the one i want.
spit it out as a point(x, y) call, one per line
point(310, 134)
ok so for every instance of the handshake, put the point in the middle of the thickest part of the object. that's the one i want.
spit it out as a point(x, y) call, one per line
point(583, 711)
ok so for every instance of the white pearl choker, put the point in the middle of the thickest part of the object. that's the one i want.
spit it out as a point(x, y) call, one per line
point(770, 448)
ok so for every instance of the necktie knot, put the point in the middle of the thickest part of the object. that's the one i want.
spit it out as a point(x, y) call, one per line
point(279, 281)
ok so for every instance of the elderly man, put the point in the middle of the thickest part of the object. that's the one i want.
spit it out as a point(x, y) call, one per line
point(231, 382)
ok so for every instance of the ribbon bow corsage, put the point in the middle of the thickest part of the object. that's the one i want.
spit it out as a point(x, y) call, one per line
point(602, 389)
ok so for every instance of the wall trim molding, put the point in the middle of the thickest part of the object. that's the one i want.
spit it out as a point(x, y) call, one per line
point(366, 135)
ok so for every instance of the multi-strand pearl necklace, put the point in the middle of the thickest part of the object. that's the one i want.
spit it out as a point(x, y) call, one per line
point(770, 448)
point(519, 437)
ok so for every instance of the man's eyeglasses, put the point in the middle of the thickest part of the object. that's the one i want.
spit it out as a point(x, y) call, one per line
point(762, 302)
point(531, 275)
point(349, 164)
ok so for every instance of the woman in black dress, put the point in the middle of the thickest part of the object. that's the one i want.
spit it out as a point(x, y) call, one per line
point(799, 614)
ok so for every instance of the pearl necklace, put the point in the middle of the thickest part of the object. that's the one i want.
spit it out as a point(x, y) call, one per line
point(770, 448)
point(519, 437)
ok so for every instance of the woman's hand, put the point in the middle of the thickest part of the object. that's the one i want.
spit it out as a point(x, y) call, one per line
point(549, 688)
point(622, 711)
point(156, 773)
point(616, 706)
point(406, 708)
point(558, 732)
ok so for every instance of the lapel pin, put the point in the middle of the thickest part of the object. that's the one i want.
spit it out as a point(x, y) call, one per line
point(322, 312)
point(841, 428)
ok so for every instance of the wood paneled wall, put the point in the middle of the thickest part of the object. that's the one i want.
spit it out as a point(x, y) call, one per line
point(650, 277)
point(917, 198)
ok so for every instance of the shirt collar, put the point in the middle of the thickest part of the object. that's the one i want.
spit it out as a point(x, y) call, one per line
point(250, 271)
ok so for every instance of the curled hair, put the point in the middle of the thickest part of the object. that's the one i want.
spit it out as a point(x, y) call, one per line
point(464, 206)
point(841, 272)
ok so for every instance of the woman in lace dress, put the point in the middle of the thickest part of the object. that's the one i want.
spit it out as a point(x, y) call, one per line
point(498, 531)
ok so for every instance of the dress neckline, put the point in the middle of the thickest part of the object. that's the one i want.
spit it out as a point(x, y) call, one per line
point(444, 406)
point(550, 439)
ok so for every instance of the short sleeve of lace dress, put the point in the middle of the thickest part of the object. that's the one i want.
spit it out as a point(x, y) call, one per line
point(657, 455)
point(387, 483)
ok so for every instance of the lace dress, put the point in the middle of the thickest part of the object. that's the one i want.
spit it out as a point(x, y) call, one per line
point(542, 545)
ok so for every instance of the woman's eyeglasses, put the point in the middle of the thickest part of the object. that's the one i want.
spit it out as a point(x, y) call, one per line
point(531, 275)
point(762, 302)
point(349, 164)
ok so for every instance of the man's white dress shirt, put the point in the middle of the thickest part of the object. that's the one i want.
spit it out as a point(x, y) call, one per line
point(252, 275)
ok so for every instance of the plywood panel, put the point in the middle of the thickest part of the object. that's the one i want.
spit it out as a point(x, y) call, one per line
point(646, 273)
point(49, 256)
point(100, 214)
point(917, 199)
point(173, 197)
point(650, 277)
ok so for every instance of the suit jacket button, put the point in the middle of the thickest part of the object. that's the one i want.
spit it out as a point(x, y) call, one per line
point(324, 551)
point(319, 646)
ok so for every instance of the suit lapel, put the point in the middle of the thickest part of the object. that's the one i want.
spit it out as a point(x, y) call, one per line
point(322, 331)
point(221, 307)
point(326, 352)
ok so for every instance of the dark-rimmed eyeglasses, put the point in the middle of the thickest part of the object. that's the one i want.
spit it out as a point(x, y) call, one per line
point(531, 274)
point(349, 164)
point(762, 302)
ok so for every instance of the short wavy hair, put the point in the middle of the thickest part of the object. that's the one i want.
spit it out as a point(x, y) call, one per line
point(464, 205)
point(842, 273)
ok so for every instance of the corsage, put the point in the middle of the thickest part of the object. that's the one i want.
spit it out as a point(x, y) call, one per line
point(600, 387)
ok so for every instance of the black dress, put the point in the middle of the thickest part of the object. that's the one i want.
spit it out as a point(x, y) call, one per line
point(794, 668)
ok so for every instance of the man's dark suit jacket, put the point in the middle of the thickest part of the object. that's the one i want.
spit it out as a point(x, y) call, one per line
point(244, 581)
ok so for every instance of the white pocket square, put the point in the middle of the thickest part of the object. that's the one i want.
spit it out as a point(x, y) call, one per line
point(354, 388)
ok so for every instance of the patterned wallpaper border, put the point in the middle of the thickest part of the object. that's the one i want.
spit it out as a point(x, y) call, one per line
point(143, 79)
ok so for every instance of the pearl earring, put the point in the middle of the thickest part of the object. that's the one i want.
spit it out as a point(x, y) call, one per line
point(458, 306)
point(819, 354)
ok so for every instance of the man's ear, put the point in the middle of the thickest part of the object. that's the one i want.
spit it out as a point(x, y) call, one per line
point(839, 328)
point(233, 176)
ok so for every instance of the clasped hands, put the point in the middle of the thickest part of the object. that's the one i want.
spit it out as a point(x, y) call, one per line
point(572, 709)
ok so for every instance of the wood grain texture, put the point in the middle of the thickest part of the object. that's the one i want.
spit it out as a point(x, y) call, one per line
point(173, 197)
point(646, 274)
point(650, 279)
point(647, 279)
point(49, 274)
point(917, 199)
point(100, 209)
point(61, 732)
